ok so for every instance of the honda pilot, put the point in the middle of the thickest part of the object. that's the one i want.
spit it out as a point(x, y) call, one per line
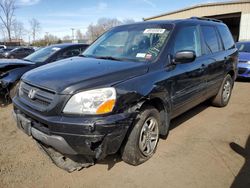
point(122, 92)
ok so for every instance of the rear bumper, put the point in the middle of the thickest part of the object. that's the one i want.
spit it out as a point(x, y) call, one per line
point(90, 136)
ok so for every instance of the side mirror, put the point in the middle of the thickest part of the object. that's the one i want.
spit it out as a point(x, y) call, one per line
point(186, 56)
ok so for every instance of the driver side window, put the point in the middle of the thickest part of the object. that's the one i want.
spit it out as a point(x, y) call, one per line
point(188, 38)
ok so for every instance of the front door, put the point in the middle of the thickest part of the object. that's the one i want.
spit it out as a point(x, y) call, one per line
point(188, 79)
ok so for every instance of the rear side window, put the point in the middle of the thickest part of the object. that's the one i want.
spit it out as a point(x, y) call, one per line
point(210, 39)
point(226, 36)
point(188, 38)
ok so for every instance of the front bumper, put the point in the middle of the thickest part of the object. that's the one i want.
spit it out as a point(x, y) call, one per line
point(243, 70)
point(4, 99)
point(90, 136)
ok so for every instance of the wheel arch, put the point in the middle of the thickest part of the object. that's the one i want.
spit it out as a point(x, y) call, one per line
point(233, 74)
point(164, 110)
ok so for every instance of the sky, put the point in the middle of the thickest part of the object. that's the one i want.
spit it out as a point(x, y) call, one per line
point(57, 17)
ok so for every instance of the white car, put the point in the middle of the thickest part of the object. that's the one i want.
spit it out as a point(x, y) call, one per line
point(2, 47)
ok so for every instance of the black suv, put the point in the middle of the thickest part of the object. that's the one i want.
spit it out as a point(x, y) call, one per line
point(121, 94)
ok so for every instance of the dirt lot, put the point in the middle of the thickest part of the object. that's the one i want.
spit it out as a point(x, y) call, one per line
point(200, 151)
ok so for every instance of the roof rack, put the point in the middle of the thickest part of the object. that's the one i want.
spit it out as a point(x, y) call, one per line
point(207, 19)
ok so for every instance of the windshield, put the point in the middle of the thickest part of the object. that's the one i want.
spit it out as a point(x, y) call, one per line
point(134, 43)
point(243, 47)
point(15, 49)
point(42, 54)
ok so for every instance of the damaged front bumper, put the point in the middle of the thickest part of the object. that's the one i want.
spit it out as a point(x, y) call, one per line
point(89, 136)
point(4, 93)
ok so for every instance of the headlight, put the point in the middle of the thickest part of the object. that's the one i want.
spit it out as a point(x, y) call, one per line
point(97, 101)
point(248, 62)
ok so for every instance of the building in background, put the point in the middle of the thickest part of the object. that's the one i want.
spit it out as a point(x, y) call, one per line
point(236, 14)
point(14, 42)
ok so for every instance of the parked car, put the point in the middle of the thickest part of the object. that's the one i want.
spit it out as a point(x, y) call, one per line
point(12, 70)
point(4, 50)
point(2, 46)
point(124, 90)
point(244, 59)
point(18, 53)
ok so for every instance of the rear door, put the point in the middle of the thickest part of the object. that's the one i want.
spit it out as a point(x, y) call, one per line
point(230, 50)
point(213, 52)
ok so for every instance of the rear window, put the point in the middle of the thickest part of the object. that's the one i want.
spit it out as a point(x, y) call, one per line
point(210, 39)
point(226, 36)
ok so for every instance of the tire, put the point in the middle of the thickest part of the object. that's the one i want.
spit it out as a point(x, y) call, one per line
point(143, 139)
point(13, 90)
point(223, 96)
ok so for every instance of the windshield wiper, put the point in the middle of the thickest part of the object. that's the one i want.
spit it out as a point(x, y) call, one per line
point(27, 60)
point(107, 57)
point(81, 55)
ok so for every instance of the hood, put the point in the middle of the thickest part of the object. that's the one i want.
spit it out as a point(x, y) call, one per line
point(13, 63)
point(244, 56)
point(79, 73)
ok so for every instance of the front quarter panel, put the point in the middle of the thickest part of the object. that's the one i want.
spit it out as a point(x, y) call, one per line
point(152, 85)
point(16, 74)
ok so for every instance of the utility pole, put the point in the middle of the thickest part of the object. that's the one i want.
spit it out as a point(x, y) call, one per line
point(73, 33)
point(47, 38)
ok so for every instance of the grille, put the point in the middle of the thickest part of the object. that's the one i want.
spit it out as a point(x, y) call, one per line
point(37, 98)
point(241, 70)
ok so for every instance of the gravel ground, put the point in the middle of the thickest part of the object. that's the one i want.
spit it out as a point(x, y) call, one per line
point(206, 147)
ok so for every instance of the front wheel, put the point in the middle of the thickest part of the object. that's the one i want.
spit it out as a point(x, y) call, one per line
point(223, 96)
point(143, 139)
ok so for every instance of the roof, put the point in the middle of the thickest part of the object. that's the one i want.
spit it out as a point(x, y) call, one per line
point(64, 45)
point(199, 6)
point(177, 21)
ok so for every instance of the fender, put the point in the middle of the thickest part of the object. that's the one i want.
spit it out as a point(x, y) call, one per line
point(132, 98)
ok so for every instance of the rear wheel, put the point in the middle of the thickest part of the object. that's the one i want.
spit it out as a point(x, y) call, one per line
point(143, 139)
point(223, 96)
